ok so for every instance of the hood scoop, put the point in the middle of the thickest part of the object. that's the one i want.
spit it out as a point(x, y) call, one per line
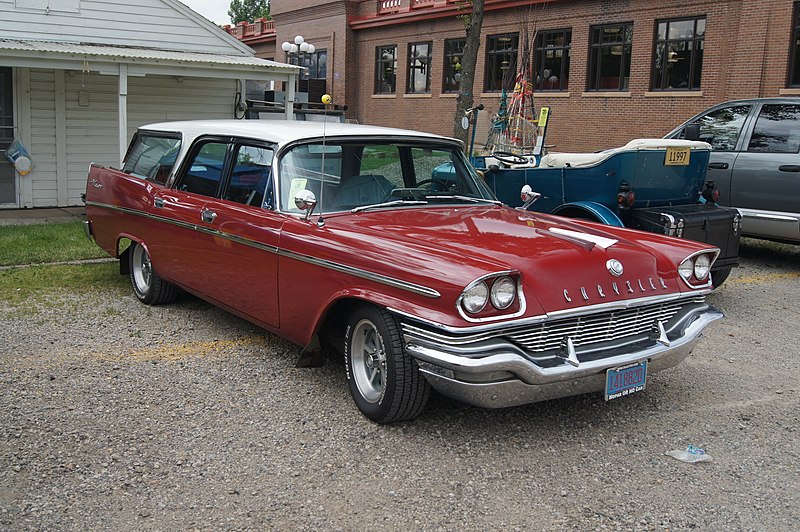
point(595, 240)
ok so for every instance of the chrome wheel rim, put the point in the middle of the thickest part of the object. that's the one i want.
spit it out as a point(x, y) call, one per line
point(142, 269)
point(369, 361)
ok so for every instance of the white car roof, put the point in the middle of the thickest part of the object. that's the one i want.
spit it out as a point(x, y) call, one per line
point(278, 131)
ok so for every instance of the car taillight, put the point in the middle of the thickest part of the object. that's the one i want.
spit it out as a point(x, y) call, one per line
point(625, 197)
point(711, 192)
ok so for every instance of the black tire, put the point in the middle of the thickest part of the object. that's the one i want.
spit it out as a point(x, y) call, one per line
point(384, 381)
point(148, 287)
point(719, 276)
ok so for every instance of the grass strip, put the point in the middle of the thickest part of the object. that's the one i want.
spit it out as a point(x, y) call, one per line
point(18, 285)
point(40, 243)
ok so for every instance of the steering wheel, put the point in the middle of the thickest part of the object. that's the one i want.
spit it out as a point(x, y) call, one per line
point(509, 158)
point(441, 184)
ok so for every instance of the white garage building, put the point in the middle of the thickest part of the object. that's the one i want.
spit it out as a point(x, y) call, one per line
point(77, 77)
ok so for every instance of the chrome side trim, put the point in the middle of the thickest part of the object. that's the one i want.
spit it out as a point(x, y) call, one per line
point(356, 272)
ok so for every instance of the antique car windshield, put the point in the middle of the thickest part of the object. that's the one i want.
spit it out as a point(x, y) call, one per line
point(378, 174)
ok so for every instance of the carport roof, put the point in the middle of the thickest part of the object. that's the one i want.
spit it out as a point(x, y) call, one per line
point(141, 61)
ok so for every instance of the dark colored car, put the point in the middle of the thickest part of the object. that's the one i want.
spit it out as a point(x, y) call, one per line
point(755, 162)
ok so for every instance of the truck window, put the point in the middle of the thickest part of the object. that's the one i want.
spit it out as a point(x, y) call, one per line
point(721, 128)
point(152, 157)
point(777, 129)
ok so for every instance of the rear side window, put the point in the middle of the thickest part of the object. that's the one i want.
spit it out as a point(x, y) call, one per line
point(777, 129)
point(152, 157)
point(204, 172)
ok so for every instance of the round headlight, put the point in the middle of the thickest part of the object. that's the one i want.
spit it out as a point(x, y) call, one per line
point(503, 292)
point(686, 269)
point(702, 265)
point(474, 298)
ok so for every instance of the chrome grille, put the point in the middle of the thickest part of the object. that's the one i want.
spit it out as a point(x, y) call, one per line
point(549, 334)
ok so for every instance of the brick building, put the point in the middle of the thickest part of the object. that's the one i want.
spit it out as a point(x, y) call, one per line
point(610, 70)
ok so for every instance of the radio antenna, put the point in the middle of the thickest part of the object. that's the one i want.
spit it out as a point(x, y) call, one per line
point(326, 99)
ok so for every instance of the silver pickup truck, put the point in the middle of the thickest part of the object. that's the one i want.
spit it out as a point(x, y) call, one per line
point(755, 162)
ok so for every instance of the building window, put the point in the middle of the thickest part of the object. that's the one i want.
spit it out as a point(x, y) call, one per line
point(501, 61)
point(385, 69)
point(552, 60)
point(794, 60)
point(678, 61)
point(610, 57)
point(453, 54)
point(419, 68)
point(316, 65)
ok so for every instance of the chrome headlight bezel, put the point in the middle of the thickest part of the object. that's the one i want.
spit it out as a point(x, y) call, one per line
point(688, 271)
point(475, 297)
point(490, 312)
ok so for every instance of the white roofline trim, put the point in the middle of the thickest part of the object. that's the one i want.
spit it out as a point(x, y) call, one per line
point(210, 26)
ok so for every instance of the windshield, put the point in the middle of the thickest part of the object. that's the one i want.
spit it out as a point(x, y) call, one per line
point(344, 176)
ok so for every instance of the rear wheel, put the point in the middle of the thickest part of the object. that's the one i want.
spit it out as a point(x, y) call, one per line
point(384, 381)
point(148, 287)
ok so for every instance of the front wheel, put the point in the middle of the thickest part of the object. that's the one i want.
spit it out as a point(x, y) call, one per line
point(148, 287)
point(384, 381)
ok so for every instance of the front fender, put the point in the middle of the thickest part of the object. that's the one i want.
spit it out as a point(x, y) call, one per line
point(596, 212)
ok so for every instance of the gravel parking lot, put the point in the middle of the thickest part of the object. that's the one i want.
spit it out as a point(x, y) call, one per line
point(118, 416)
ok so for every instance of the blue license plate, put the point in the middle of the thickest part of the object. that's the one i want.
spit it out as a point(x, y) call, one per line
point(625, 380)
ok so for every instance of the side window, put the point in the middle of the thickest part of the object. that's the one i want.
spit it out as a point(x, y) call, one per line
point(205, 169)
point(152, 157)
point(251, 179)
point(777, 129)
point(721, 128)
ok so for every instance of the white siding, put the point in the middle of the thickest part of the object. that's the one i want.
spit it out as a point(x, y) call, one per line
point(43, 138)
point(144, 23)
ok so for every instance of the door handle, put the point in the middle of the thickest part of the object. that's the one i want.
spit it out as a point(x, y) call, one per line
point(789, 168)
point(158, 202)
point(208, 216)
point(718, 166)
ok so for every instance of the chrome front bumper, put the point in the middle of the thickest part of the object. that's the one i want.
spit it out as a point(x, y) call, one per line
point(510, 378)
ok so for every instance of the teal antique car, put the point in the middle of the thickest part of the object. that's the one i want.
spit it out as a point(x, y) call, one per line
point(654, 185)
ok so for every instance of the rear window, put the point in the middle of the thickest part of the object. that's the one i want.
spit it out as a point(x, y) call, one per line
point(152, 157)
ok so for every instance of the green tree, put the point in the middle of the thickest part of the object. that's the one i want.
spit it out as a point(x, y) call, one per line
point(472, 27)
point(248, 10)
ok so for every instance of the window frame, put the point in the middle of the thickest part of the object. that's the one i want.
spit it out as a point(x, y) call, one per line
point(539, 59)
point(154, 134)
point(449, 71)
point(425, 65)
point(191, 154)
point(694, 40)
point(237, 144)
point(491, 58)
point(794, 49)
point(380, 67)
point(595, 56)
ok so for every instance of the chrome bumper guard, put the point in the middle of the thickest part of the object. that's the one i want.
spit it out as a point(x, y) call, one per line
point(507, 377)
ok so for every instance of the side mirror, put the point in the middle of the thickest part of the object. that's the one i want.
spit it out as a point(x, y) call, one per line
point(691, 132)
point(528, 197)
point(305, 200)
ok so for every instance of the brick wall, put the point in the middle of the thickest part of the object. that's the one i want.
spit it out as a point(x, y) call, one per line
point(746, 55)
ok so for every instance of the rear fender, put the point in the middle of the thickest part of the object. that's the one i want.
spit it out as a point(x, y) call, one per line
point(590, 210)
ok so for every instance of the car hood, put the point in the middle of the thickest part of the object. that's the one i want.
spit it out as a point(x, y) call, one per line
point(563, 264)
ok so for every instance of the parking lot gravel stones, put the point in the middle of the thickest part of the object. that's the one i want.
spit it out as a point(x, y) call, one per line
point(118, 416)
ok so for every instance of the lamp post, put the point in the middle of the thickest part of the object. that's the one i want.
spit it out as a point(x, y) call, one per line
point(297, 50)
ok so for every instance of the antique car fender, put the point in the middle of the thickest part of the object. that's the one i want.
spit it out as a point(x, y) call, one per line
point(596, 211)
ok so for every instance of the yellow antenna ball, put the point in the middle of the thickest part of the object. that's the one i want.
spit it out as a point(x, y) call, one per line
point(326, 99)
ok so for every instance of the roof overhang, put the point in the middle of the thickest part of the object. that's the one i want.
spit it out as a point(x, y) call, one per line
point(139, 61)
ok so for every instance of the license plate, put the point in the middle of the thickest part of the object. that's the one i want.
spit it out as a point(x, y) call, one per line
point(625, 380)
point(677, 156)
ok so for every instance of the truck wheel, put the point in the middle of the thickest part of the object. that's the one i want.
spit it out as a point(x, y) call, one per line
point(148, 287)
point(718, 276)
point(384, 381)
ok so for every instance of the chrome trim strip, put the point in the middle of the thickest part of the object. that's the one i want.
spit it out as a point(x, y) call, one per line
point(356, 272)
point(777, 216)
point(591, 309)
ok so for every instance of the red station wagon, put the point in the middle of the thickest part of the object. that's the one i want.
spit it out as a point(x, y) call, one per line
point(338, 237)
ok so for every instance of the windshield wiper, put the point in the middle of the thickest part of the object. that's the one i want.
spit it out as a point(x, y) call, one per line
point(388, 204)
point(465, 198)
